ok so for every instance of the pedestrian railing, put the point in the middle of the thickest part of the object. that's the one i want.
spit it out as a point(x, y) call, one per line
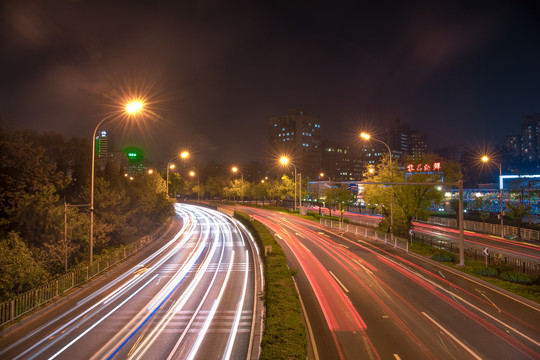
point(487, 228)
point(28, 301)
point(367, 230)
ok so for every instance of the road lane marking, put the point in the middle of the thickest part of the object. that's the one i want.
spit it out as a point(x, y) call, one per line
point(339, 282)
point(452, 337)
point(488, 299)
point(397, 357)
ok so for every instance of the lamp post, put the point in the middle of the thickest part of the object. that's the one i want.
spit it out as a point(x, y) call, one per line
point(285, 161)
point(235, 170)
point(485, 159)
point(183, 155)
point(192, 174)
point(132, 108)
point(323, 175)
point(367, 137)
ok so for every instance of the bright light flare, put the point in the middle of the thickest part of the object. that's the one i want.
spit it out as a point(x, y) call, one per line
point(485, 158)
point(365, 136)
point(184, 154)
point(284, 160)
point(150, 171)
point(134, 107)
point(234, 169)
point(192, 173)
point(172, 166)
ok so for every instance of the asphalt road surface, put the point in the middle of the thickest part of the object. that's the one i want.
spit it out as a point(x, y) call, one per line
point(190, 296)
point(365, 300)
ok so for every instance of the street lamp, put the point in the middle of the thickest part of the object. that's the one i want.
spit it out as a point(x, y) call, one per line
point(235, 170)
point(285, 161)
point(485, 159)
point(323, 175)
point(368, 137)
point(131, 108)
point(183, 155)
point(192, 174)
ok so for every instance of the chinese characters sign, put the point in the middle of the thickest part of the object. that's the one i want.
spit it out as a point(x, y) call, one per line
point(436, 166)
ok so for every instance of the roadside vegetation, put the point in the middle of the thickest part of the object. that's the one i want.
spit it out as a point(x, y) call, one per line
point(39, 174)
point(284, 330)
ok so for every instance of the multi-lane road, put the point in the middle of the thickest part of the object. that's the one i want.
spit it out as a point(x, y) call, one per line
point(192, 295)
point(364, 300)
point(522, 250)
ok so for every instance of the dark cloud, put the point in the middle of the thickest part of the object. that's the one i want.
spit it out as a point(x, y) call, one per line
point(215, 71)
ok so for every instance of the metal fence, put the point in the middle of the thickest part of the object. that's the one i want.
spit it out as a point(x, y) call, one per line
point(28, 301)
point(367, 230)
point(488, 228)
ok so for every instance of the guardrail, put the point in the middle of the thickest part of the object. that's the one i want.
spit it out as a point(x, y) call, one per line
point(488, 228)
point(367, 230)
point(28, 301)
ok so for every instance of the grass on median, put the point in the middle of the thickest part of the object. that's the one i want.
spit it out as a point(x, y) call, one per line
point(284, 334)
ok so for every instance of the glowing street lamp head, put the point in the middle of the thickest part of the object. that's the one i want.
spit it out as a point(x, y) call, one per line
point(321, 175)
point(192, 173)
point(150, 171)
point(485, 158)
point(184, 154)
point(284, 160)
point(365, 136)
point(371, 170)
point(134, 107)
point(234, 169)
point(172, 166)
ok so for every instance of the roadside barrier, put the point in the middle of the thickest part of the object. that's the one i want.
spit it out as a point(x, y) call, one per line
point(30, 300)
point(367, 230)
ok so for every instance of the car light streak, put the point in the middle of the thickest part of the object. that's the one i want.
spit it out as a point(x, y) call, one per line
point(62, 330)
point(338, 310)
point(179, 304)
point(210, 316)
point(432, 285)
point(488, 326)
point(234, 329)
point(168, 290)
point(100, 320)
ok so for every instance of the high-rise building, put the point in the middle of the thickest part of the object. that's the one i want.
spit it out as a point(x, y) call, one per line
point(398, 138)
point(530, 138)
point(418, 145)
point(340, 163)
point(513, 145)
point(404, 141)
point(102, 144)
point(297, 135)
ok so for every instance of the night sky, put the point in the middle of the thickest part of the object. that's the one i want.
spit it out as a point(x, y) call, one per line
point(215, 71)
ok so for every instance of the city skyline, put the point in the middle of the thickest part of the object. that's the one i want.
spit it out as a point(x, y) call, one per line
point(214, 74)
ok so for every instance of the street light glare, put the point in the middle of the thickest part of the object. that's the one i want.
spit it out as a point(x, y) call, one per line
point(192, 173)
point(234, 169)
point(172, 166)
point(134, 107)
point(365, 136)
point(184, 155)
point(284, 160)
point(485, 158)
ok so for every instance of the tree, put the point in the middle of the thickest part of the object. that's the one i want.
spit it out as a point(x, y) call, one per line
point(409, 201)
point(20, 272)
point(336, 197)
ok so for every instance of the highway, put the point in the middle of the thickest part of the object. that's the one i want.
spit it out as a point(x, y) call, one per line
point(365, 300)
point(522, 250)
point(192, 295)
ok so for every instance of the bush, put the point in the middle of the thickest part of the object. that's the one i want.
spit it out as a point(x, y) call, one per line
point(486, 271)
point(517, 277)
point(284, 334)
point(444, 256)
